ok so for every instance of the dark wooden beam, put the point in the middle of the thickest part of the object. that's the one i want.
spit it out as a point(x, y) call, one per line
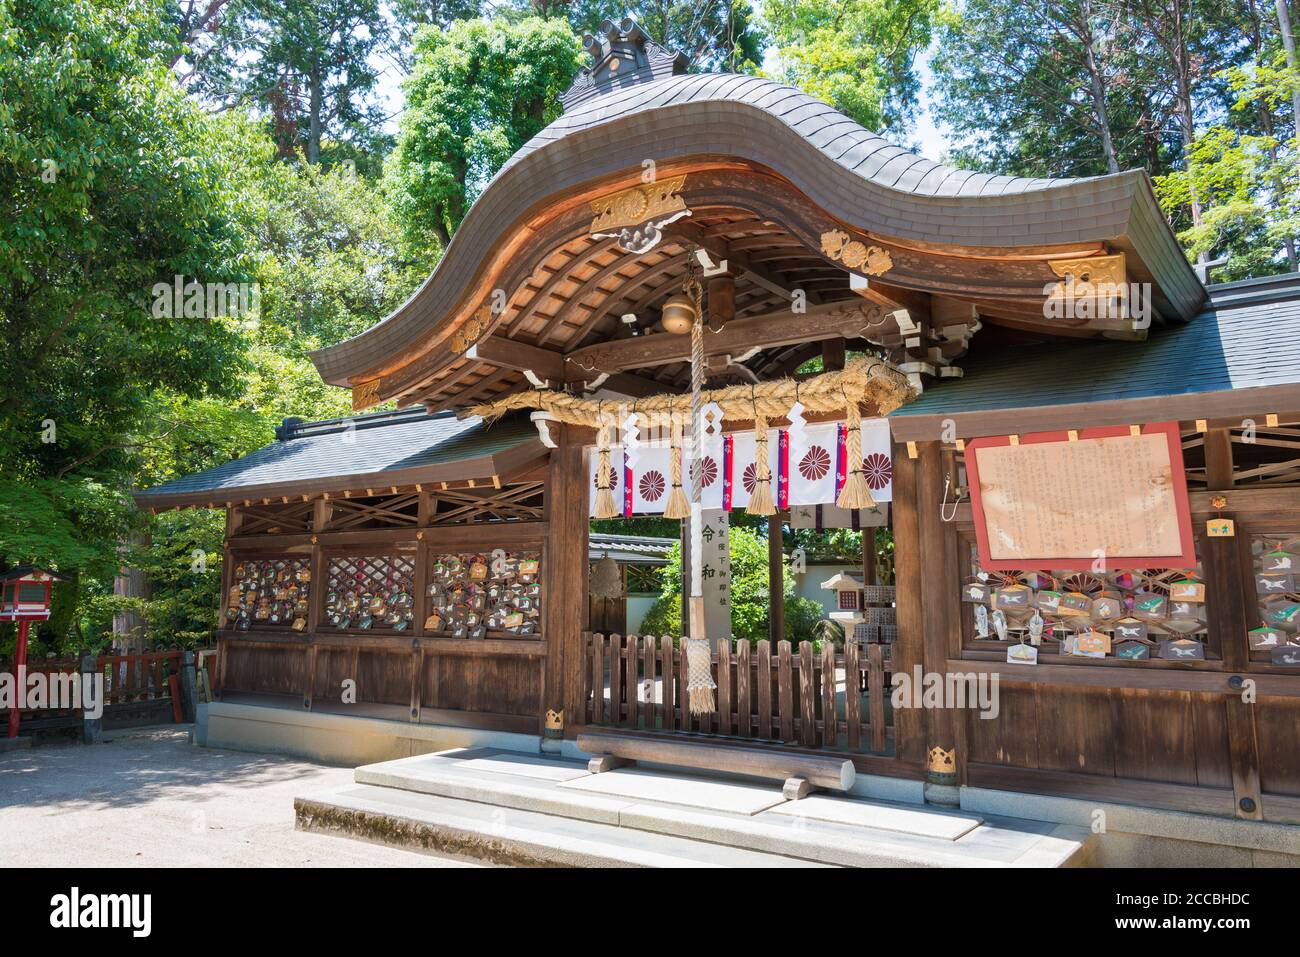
point(510, 354)
point(565, 576)
point(783, 328)
point(738, 263)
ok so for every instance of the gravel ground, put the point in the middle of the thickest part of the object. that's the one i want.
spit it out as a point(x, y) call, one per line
point(150, 798)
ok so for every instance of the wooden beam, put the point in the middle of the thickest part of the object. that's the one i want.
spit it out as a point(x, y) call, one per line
point(738, 263)
point(833, 354)
point(941, 629)
point(511, 354)
point(1224, 408)
point(1218, 459)
point(783, 328)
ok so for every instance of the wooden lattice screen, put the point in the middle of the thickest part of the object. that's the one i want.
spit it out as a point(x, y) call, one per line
point(372, 592)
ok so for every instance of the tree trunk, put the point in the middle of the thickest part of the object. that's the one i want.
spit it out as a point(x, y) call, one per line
point(1292, 60)
point(314, 129)
point(129, 633)
point(1097, 87)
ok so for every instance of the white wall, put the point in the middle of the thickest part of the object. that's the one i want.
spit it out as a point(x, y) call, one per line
point(637, 608)
point(809, 584)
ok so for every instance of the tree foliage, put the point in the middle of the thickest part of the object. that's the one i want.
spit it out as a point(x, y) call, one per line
point(750, 609)
point(478, 91)
point(857, 55)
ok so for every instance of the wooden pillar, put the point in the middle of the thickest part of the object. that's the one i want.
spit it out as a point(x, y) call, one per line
point(832, 354)
point(775, 580)
point(686, 576)
point(910, 740)
point(1218, 459)
point(941, 582)
point(1230, 581)
point(869, 556)
point(564, 574)
point(721, 302)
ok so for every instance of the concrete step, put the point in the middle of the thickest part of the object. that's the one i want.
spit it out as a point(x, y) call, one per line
point(742, 815)
point(507, 836)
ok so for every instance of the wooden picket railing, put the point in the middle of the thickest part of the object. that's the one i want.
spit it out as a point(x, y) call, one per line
point(130, 678)
point(796, 696)
point(132, 683)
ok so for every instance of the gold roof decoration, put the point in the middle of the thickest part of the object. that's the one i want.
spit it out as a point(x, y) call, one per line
point(365, 394)
point(856, 254)
point(637, 215)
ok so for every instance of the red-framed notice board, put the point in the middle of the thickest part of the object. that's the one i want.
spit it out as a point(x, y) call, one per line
point(1064, 500)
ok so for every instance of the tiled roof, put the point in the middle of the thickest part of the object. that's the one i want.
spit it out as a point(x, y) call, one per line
point(382, 447)
point(631, 549)
point(1247, 337)
point(846, 142)
point(851, 173)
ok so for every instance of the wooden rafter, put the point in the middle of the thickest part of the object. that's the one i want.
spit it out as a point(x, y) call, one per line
point(574, 303)
point(578, 261)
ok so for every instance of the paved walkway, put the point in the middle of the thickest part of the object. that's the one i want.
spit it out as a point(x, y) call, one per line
point(150, 798)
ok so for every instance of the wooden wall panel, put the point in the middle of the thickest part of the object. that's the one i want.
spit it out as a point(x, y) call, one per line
point(1277, 726)
point(1172, 737)
point(1075, 730)
point(499, 686)
point(1153, 735)
point(1012, 737)
point(333, 667)
point(1210, 738)
point(384, 677)
point(264, 670)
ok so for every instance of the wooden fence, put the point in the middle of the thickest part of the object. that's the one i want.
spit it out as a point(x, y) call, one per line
point(796, 697)
point(137, 689)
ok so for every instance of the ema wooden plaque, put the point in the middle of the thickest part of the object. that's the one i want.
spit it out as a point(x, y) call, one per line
point(1049, 502)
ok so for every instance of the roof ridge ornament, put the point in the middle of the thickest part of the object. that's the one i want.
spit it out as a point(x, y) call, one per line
point(622, 54)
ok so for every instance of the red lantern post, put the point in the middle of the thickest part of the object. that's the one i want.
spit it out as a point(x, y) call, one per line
point(24, 597)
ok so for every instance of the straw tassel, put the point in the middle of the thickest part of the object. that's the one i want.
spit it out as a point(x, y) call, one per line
point(677, 506)
point(856, 493)
point(760, 502)
point(699, 672)
point(605, 505)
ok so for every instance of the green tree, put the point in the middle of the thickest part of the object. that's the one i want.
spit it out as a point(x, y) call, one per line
point(715, 36)
point(312, 67)
point(479, 90)
point(111, 181)
point(857, 55)
point(1047, 90)
point(1248, 185)
point(749, 597)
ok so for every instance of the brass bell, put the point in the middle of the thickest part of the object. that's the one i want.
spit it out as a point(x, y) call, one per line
point(678, 314)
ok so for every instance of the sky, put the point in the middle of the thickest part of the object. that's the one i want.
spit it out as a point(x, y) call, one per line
point(930, 139)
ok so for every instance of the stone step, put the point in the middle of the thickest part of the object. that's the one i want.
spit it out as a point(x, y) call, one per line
point(827, 829)
point(507, 836)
